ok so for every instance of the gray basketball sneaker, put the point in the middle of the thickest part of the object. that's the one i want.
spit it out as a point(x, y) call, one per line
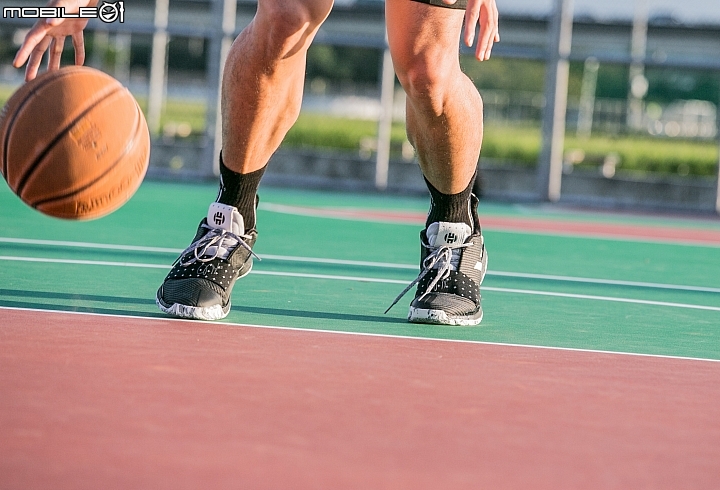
point(201, 281)
point(453, 262)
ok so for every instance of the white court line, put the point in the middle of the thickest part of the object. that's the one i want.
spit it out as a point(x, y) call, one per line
point(362, 263)
point(367, 334)
point(374, 280)
point(137, 248)
point(603, 298)
point(83, 262)
point(612, 282)
point(105, 246)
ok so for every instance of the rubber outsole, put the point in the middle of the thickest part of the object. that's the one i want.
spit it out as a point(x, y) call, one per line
point(440, 317)
point(210, 313)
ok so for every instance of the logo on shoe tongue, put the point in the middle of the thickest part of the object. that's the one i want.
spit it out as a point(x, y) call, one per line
point(450, 237)
point(219, 218)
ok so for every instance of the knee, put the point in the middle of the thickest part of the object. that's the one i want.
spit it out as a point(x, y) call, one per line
point(428, 82)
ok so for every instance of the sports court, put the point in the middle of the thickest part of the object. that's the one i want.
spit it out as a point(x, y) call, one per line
point(597, 364)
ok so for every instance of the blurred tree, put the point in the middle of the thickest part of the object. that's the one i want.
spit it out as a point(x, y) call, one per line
point(505, 74)
point(343, 64)
point(667, 85)
point(612, 81)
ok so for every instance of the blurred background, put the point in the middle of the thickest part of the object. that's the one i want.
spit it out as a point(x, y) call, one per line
point(606, 104)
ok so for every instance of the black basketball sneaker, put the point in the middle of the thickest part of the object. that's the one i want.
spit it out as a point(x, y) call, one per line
point(201, 280)
point(453, 262)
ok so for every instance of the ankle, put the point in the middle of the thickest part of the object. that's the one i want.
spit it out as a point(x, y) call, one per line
point(451, 208)
point(240, 190)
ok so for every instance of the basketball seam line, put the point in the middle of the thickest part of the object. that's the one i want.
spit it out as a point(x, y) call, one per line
point(57, 138)
point(27, 99)
point(126, 150)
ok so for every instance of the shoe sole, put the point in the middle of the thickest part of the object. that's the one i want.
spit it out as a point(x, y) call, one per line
point(214, 312)
point(440, 317)
point(210, 313)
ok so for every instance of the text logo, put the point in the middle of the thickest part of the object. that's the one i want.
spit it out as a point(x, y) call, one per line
point(107, 12)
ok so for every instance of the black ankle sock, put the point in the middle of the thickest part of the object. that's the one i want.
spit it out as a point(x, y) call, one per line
point(451, 208)
point(240, 190)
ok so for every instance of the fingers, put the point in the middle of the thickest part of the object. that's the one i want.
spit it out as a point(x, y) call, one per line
point(485, 14)
point(51, 33)
point(35, 58)
point(472, 14)
point(56, 49)
point(487, 36)
point(33, 38)
point(79, 45)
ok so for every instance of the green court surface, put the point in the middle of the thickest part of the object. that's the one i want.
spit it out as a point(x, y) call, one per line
point(554, 288)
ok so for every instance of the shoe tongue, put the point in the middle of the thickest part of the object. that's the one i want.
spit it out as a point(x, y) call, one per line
point(444, 233)
point(225, 217)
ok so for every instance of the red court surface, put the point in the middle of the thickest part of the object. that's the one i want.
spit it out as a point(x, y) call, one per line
point(559, 226)
point(91, 401)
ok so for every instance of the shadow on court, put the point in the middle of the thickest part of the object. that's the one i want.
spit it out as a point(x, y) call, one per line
point(42, 301)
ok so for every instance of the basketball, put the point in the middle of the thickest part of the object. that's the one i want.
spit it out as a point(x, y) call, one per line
point(74, 143)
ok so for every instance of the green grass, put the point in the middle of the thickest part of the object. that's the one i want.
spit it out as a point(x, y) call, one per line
point(318, 131)
point(646, 154)
point(5, 93)
point(518, 144)
point(178, 111)
point(521, 144)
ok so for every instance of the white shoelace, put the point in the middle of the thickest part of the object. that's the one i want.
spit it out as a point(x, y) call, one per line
point(216, 243)
point(445, 258)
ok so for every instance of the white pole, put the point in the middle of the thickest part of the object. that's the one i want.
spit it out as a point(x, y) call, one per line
point(158, 66)
point(637, 81)
point(122, 57)
point(587, 98)
point(101, 41)
point(717, 199)
point(556, 84)
point(225, 12)
point(387, 91)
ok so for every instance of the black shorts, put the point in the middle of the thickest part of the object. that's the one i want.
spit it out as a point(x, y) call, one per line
point(460, 4)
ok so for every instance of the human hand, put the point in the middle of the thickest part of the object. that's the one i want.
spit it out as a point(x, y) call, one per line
point(49, 35)
point(482, 13)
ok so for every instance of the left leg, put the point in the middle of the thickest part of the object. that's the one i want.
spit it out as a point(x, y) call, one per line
point(444, 109)
point(445, 125)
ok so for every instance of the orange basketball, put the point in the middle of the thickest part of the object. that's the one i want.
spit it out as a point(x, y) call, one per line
point(73, 143)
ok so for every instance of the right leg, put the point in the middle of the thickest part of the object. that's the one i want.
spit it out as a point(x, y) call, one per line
point(261, 98)
point(262, 93)
point(263, 80)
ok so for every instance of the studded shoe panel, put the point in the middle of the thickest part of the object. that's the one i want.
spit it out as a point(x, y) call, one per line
point(221, 272)
point(200, 283)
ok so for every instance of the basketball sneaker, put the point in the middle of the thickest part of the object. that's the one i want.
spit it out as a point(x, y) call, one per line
point(201, 280)
point(453, 262)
